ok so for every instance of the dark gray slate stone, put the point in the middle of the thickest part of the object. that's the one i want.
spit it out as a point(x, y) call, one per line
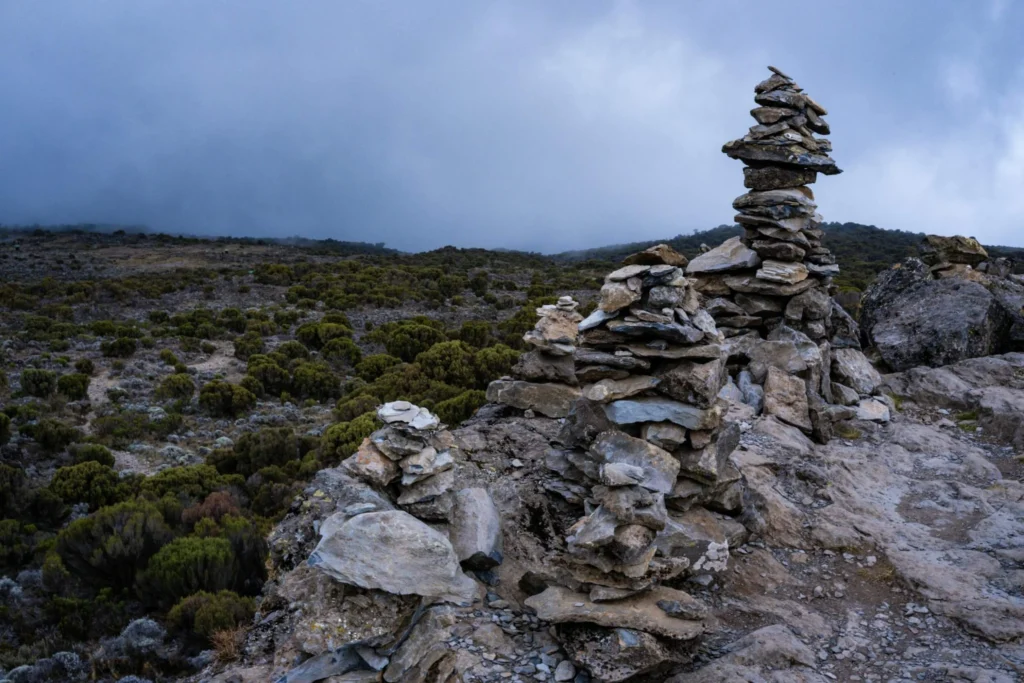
point(913, 320)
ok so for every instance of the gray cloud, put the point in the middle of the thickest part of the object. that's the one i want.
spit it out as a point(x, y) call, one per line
point(519, 124)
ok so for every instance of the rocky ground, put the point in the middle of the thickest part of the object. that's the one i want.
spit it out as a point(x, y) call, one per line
point(893, 554)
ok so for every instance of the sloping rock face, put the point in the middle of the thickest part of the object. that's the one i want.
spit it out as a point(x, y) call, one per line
point(913, 319)
point(893, 552)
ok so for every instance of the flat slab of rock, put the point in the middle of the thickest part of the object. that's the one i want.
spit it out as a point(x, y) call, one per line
point(640, 612)
point(785, 397)
point(552, 400)
point(749, 284)
point(475, 529)
point(852, 368)
point(731, 254)
point(394, 552)
point(772, 653)
point(618, 295)
point(535, 366)
point(656, 255)
point(692, 382)
point(595, 319)
point(657, 409)
point(408, 414)
point(660, 468)
point(787, 273)
point(614, 389)
point(875, 411)
point(371, 465)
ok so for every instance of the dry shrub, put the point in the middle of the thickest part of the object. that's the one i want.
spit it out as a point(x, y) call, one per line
point(227, 643)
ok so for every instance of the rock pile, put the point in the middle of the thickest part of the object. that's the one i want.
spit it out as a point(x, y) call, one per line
point(373, 545)
point(644, 455)
point(769, 290)
point(778, 271)
point(953, 303)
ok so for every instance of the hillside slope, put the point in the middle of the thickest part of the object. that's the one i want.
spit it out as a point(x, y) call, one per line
point(862, 250)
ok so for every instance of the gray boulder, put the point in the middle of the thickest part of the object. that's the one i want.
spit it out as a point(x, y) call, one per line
point(475, 529)
point(913, 320)
point(395, 552)
point(852, 368)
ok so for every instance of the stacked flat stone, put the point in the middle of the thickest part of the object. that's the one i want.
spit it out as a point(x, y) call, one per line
point(644, 454)
point(414, 450)
point(779, 270)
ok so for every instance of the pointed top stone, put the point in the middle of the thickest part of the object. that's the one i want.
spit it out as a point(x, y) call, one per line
point(777, 71)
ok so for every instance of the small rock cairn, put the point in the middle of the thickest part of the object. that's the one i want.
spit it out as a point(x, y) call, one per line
point(643, 451)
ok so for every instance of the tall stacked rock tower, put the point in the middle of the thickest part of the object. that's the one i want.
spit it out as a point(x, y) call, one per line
point(778, 270)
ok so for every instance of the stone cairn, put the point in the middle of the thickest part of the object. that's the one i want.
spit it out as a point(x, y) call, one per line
point(778, 271)
point(644, 452)
point(774, 282)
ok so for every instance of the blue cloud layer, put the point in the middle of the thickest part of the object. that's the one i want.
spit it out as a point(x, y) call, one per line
point(519, 124)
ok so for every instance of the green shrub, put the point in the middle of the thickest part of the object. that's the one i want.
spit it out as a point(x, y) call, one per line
point(74, 386)
point(222, 399)
point(85, 366)
point(455, 410)
point(193, 482)
point(253, 386)
point(451, 362)
point(342, 439)
point(5, 429)
point(110, 546)
point(342, 350)
point(408, 340)
point(204, 614)
point(372, 367)
point(179, 387)
point(269, 446)
point(185, 566)
point(293, 350)
point(12, 481)
point(249, 545)
point(120, 429)
point(269, 374)
point(494, 362)
point(16, 544)
point(167, 356)
point(316, 335)
point(89, 482)
point(39, 383)
point(92, 452)
point(121, 347)
point(350, 408)
point(476, 333)
point(53, 435)
point(315, 380)
point(248, 344)
point(4, 382)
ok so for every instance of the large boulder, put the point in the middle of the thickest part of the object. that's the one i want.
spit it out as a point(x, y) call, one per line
point(936, 249)
point(392, 551)
point(912, 319)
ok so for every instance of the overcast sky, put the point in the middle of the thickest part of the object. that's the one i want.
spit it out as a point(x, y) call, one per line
point(535, 125)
